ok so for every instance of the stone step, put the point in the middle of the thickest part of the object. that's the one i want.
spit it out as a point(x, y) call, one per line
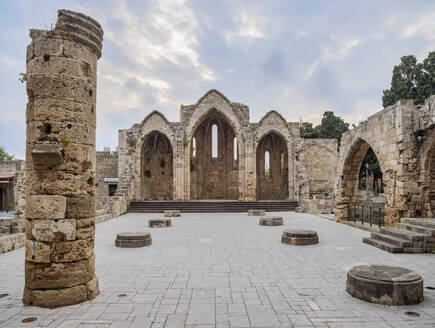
point(425, 222)
point(383, 245)
point(391, 239)
point(405, 234)
point(418, 228)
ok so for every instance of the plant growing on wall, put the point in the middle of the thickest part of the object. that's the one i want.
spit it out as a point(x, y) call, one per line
point(185, 142)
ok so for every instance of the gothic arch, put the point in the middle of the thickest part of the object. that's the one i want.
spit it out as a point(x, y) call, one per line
point(210, 177)
point(156, 167)
point(272, 182)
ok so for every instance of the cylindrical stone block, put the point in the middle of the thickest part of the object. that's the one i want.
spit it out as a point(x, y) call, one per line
point(299, 237)
point(384, 284)
point(271, 221)
point(172, 213)
point(60, 162)
point(256, 212)
point(133, 239)
point(160, 223)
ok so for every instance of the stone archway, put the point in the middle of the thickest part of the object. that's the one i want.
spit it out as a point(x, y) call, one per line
point(272, 168)
point(214, 171)
point(156, 164)
point(348, 186)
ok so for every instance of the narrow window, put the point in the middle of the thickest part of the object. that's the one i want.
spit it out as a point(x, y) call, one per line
point(235, 149)
point(267, 163)
point(194, 147)
point(214, 141)
point(282, 161)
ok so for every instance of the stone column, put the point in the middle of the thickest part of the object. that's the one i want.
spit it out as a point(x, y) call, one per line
point(60, 162)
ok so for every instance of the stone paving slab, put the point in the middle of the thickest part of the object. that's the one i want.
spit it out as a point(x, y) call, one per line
point(224, 270)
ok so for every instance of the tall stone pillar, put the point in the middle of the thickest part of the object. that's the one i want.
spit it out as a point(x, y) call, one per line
point(60, 162)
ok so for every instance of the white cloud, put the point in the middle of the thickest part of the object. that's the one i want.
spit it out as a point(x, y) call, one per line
point(248, 25)
point(339, 51)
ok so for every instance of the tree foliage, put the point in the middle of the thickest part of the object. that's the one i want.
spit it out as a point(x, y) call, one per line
point(411, 80)
point(331, 127)
point(4, 156)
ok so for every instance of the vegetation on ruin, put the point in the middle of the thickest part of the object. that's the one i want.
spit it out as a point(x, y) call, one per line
point(4, 156)
point(331, 127)
point(411, 80)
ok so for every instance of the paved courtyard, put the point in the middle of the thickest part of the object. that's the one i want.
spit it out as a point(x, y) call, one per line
point(224, 270)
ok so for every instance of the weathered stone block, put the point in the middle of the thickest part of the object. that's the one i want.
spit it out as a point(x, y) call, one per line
point(299, 237)
point(271, 221)
point(383, 284)
point(45, 207)
point(160, 223)
point(52, 275)
point(256, 212)
point(172, 213)
point(37, 251)
point(92, 288)
point(80, 207)
point(133, 239)
point(52, 298)
point(51, 230)
point(71, 251)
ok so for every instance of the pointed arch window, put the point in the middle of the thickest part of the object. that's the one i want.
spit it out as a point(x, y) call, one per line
point(214, 141)
point(193, 147)
point(236, 150)
point(266, 162)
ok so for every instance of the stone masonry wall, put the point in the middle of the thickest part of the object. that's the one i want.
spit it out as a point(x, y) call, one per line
point(61, 161)
point(403, 139)
point(107, 167)
point(249, 135)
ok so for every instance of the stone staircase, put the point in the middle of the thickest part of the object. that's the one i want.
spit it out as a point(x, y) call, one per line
point(411, 235)
point(211, 206)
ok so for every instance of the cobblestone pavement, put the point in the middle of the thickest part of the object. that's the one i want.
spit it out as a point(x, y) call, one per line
point(224, 270)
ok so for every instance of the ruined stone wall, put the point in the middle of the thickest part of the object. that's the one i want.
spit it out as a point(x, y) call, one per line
point(239, 176)
point(402, 138)
point(315, 167)
point(61, 162)
point(106, 167)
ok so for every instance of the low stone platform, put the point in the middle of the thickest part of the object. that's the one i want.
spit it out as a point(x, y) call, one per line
point(382, 284)
point(159, 223)
point(256, 212)
point(172, 213)
point(300, 237)
point(271, 220)
point(133, 239)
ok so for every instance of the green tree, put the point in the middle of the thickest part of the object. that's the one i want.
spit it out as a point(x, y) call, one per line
point(307, 130)
point(411, 80)
point(331, 127)
point(4, 156)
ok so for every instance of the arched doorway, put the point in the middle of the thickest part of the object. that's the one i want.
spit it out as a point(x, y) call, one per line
point(361, 179)
point(214, 168)
point(272, 168)
point(157, 173)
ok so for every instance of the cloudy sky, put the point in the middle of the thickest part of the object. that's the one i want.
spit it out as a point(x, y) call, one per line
point(296, 56)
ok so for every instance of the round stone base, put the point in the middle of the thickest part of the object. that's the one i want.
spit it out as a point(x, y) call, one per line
point(382, 284)
point(171, 213)
point(133, 239)
point(299, 237)
point(256, 212)
point(271, 221)
point(159, 223)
